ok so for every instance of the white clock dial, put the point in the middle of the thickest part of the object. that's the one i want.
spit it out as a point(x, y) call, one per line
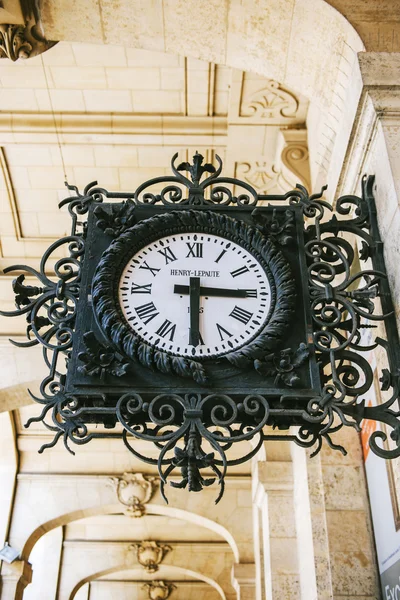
point(233, 294)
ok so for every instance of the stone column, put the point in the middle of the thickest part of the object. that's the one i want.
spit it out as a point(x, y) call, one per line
point(277, 563)
point(311, 528)
point(375, 149)
point(14, 579)
point(244, 580)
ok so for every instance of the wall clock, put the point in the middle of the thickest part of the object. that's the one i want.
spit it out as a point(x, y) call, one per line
point(185, 288)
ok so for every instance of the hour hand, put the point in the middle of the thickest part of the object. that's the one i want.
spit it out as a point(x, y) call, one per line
point(212, 291)
point(194, 297)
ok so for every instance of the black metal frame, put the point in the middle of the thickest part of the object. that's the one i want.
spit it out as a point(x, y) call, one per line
point(341, 304)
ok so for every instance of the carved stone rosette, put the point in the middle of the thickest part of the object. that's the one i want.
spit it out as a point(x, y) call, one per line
point(159, 590)
point(23, 40)
point(150, 554)
point(134, 490)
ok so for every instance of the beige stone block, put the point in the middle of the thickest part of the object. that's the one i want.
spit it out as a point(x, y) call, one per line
point(379, 68)
point(84, 20)
point(12, 247)
point(197, 105)
point(19, 76)
point(46, 177)
point(25, 155)
point(195, 64)
point(29, 224)
point(221, 102)
point(7, 226)
point(348, 531)
point(106, 177)
point(157, 101)
point(73, 155)
point(108, 100)
point(156, 156)
point(283, 555)
point(99, 55)
point(43, 100)
point(19, 177)
point(62, 54)
point(53, 224)
point(12, 100)
point(39, 200)
point(281, 515)
point(67, 100)
point(133, 78)
point(115, 156)
point(129, 22)
point(147, 58)
point(353, 573)
point(184, 19)
point(349, 438)
point(248, 24)
point(172, 78)
point(78, 78)
point(286, 587)
point(344, 487)
point(223, 78)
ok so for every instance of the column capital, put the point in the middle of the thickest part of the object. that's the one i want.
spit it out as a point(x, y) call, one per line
point(244, 580)
point(15, 577)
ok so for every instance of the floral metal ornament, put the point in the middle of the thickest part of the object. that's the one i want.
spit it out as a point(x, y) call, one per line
point(150, 554)
point(159, 590)
point(134, 491)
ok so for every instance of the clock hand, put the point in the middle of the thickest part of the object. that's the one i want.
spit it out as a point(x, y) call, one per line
point(211, 291)
point(194, 297)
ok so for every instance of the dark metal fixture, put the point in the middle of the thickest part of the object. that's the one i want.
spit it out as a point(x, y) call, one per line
point(292, 357)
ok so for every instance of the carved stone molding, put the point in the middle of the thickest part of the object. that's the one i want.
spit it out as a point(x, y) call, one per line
point(159, 590)
point(295, 157)
point(270, 102)
point(134, 490)
point(265, 178)
point(150, 554)
point(19, 40)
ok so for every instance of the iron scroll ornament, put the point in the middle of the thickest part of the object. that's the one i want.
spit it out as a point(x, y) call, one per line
point(130, 344)
point(342, 308)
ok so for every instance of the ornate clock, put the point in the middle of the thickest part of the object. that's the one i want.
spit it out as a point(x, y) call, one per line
point(183, 289)
point(203, 312)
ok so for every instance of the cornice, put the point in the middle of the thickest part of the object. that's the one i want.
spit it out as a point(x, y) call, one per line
point(106, 123)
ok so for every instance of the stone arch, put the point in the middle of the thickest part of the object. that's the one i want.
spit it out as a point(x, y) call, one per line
point(306, 45)
point(178, 570)
point(108, 509)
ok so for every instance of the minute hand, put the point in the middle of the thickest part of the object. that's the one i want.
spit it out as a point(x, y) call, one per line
point(212, 291)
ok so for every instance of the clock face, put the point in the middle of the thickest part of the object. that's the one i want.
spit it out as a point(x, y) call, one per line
point(195, 295)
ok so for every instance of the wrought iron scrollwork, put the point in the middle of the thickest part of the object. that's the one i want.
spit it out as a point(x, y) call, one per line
point(343, 306)
point(193, 420)
point(195, 431)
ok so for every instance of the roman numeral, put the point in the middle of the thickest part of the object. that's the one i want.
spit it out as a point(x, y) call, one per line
point(165, 329)
point(239, 271)
point(195, 249)
point(152, 270)
point(141, 289)
point(221, 332)
point(167, 254)
point(251, 293)
point(240, 314)
point(146, 312)
point(220, 256)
